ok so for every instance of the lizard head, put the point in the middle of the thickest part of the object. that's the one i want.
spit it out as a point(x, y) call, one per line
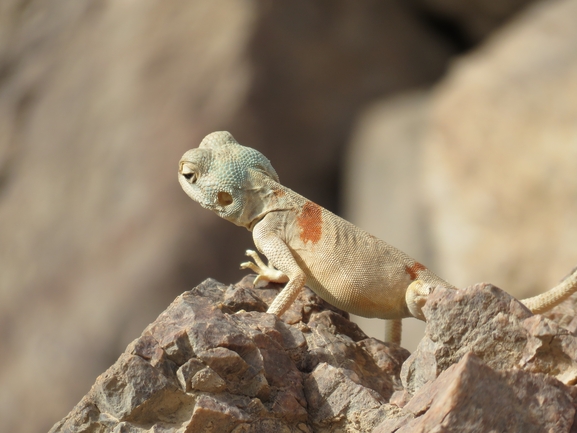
point(225, 177)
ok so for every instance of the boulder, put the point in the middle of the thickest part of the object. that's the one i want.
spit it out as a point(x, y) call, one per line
point(209, 364)
point(487, 364)
point(494, 326)
point(471, 397)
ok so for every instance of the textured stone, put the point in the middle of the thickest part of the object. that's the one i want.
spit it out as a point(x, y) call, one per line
point(211, 415)
point(486, 364)
point(472, 397)
point(550, 349)
point(195, 375)
point(497, 328)
point(336, 397)
point(564, 314)
point(239, 371)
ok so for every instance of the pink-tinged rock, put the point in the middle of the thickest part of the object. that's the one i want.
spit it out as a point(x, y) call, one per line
point(204, 366)
point(472, 397)
point(550, 349)
point(497, 328)
point(212, 415)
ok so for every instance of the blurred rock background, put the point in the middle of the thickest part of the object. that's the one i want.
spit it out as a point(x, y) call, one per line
point(447, 128)
point(475, 175)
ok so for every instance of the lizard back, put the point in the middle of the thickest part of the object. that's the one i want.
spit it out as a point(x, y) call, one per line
point(344, 264)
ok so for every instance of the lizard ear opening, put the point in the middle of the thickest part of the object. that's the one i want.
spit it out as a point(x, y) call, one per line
point(224, 198)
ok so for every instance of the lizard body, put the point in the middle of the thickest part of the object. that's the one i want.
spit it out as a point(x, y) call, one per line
point(307, 244)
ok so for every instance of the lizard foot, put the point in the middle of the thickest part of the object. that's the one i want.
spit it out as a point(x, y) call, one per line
point(265, 272)
point(416, 296)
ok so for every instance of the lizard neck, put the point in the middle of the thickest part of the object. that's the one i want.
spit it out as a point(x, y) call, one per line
point(262, 196)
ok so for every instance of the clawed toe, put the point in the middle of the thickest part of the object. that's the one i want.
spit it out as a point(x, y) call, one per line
point(265, 272)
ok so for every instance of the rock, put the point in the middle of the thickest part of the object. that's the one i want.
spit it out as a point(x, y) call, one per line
point(473, 177)
point(472, 397)
point(338, 400)
point(472, 20)
point(205, 365)
point(485, 364)
point(550, 349)
point(497, 161)
point(494, 326)
point(564, 314)
point(195, 375)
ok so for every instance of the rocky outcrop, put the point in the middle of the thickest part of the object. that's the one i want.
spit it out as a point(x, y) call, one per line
point(215, 361)
point(471, 397)
point(487, 364)
point(494, 326)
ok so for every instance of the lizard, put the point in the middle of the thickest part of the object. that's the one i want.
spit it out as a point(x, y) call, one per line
point(307, 244)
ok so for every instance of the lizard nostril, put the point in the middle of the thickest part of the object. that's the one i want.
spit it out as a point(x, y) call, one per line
point(224, 198)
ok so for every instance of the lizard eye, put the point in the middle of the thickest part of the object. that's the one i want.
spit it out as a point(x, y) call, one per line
point(188, 173)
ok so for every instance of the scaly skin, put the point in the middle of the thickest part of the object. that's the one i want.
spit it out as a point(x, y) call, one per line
point(307, 244)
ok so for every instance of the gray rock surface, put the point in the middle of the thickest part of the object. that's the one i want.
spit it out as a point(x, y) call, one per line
point(206, 364)
point(471, 397)
point(494, 326)
point(214, 361)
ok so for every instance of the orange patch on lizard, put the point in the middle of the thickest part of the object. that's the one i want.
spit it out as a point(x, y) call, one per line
point(414, 269)
point(310, 221)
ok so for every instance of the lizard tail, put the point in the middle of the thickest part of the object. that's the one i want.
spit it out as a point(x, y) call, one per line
point(545, 301)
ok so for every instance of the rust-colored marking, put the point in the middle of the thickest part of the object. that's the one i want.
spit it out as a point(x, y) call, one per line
point(310, 221)
point(278, 193)
point(414, 269)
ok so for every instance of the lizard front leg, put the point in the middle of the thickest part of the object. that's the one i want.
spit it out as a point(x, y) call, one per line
point(285, 267)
